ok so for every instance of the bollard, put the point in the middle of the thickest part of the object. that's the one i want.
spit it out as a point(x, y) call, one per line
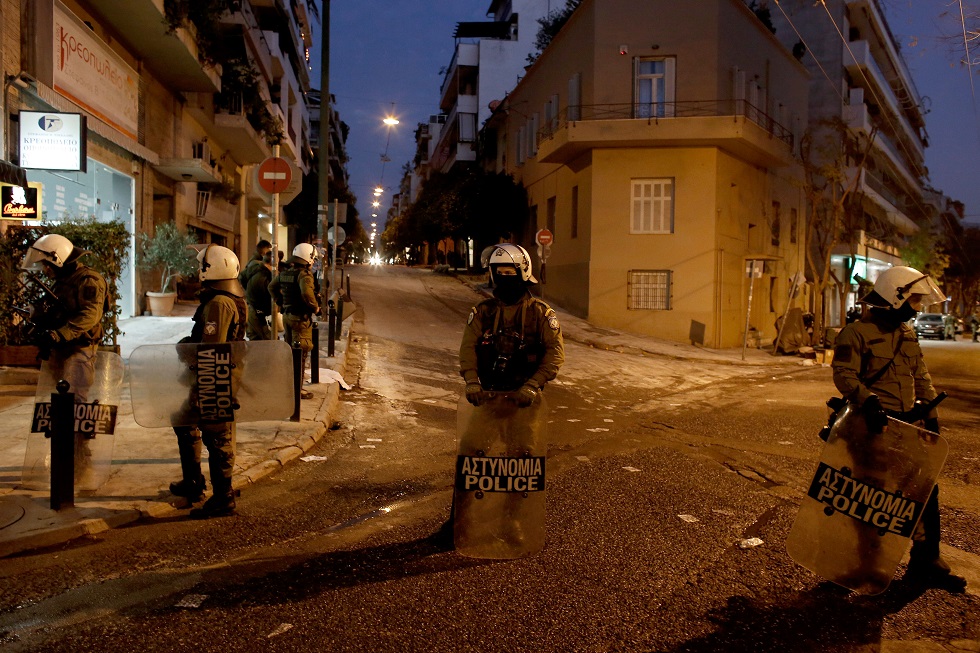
point(315, 358)
point(331, 325)
point(339, 318)
point(62, 447)
point(348, 286)
point(297, 380)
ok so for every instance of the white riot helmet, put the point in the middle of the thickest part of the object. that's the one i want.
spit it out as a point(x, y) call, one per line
point(305, 252)
point(508, 254)
point(51, 248)
point(218, 263)
point(895, 285)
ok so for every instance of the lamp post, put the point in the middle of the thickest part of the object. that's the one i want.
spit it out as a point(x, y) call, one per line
point(323, 160)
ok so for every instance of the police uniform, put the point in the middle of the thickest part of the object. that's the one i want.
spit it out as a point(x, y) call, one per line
point(507, 346)
point(876, 347)
point(294, 291)
point(82, 301)
point(259, 304)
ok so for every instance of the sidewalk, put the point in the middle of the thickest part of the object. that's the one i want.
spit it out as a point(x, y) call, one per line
point(144, 461)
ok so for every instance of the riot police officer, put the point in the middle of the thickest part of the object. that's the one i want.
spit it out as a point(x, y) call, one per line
point(259, 301)
point(883, 347)
point(512, 341)
point(70, 323)
point(254, 266)
point(294, 292)
point(220, 318)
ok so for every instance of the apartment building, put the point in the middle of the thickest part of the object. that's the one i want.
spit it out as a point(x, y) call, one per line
point(859, 80)
point(180, 110)
point(656, 144)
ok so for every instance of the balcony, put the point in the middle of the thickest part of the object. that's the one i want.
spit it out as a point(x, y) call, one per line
point(858, 119)
point(232, 129)
point(198, 168)
point(734, 126)
point(864, 69)
point(875, 190)
point(462, 70)
point(172, 57)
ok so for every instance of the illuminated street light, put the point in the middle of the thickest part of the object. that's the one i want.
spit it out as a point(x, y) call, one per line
point(375, 203)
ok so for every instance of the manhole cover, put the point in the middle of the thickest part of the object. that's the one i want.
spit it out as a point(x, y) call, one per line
point(10, 514)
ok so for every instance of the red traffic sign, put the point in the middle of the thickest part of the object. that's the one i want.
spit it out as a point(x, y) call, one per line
point(544, 237)
point(274, 174)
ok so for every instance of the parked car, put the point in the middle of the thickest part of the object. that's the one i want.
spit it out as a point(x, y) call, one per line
point(933, 325)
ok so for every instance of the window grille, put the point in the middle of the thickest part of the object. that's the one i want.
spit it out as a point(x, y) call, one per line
point(648, 290)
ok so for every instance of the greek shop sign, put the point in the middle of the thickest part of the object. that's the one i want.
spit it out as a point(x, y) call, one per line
point(52, 141)
point(499, 474)
point(90, 74)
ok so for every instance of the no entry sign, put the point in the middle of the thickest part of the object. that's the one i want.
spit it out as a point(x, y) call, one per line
point(544, 237)
point(274, 174)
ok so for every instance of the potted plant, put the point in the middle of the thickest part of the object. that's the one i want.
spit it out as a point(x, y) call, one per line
point(171, 254)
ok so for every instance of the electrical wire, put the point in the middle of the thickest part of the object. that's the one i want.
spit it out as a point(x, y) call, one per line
point(807, 46)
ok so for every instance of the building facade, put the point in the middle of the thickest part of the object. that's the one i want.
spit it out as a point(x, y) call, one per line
point(179, 113)
point(656, 144)
point(861, 89)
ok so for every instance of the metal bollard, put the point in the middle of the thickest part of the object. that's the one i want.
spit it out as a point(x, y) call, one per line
point(339, 318)
point(297, 380)
point(348, 286)
point(62, 447)
point(331, 325)
point(315, 358)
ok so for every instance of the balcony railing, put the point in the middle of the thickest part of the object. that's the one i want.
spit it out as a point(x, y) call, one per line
point(655, 112)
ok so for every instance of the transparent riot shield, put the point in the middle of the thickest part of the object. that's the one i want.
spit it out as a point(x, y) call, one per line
point(500, 478)
point(185, 384)
point(864, 501)
point(95, 423)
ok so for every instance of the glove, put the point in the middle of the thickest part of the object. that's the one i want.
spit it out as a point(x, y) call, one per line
point(48, 339)
point(525, 396)
point(931, 424)
point(874, 414)
point(475, 394)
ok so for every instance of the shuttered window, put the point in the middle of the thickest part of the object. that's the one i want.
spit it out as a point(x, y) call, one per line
point(652, 208)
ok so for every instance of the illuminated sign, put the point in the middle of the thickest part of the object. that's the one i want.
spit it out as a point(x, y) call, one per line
point(52, 141)
point(17, 203)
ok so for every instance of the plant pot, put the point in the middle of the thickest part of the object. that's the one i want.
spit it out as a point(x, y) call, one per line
point(161, 304)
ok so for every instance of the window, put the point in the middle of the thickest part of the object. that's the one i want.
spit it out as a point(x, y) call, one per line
point(521, 144)
point(654, 87)
point(532, 135)
point(467, 127)
point(551, 217)
point(774, 226)
point(652, 210)
point(553, 126)
point(574, 212)
point(794, 225)
point(648, 290)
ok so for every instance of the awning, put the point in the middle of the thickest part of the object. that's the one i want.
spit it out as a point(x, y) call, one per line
point(12, 174)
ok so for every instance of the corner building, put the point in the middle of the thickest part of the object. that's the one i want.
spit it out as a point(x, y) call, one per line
point(657, 145)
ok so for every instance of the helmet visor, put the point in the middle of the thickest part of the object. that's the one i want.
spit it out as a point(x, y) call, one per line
point(929, 289)
point(32, 260)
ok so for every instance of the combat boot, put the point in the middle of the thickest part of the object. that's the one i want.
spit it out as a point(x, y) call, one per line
point(219, 505)
point(191, 489)
point(927, 569)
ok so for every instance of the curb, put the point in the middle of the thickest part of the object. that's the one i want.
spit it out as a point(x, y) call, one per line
point(152, 509)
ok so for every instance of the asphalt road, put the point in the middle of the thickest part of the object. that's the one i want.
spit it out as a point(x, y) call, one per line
point(657, 470)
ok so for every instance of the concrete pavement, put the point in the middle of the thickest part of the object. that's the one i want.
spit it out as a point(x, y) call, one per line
point(144, 461)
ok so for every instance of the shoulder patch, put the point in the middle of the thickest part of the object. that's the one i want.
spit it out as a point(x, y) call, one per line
point(843, 353)
point(552, 320)
point(89, 293)
point(210, 328)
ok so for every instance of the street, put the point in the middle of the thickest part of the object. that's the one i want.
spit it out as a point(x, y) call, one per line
point(658, 469)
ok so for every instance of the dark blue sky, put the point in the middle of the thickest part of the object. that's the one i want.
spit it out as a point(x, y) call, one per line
point(391, 51)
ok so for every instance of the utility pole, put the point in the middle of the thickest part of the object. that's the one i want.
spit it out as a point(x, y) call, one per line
point(323, 172)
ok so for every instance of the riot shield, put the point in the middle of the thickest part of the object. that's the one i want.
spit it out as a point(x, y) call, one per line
point(189, 383)
point(864, 501)
point(95, 424)
point(500, 478)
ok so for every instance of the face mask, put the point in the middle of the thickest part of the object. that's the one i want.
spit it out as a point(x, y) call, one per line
point(904, 313)
point(509, 289)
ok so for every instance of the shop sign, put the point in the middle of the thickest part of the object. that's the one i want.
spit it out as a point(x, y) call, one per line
point(19, 203)
point(89, 73)
point(52, 141)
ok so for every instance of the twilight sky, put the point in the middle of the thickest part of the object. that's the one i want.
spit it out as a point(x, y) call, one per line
point(384, 52)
